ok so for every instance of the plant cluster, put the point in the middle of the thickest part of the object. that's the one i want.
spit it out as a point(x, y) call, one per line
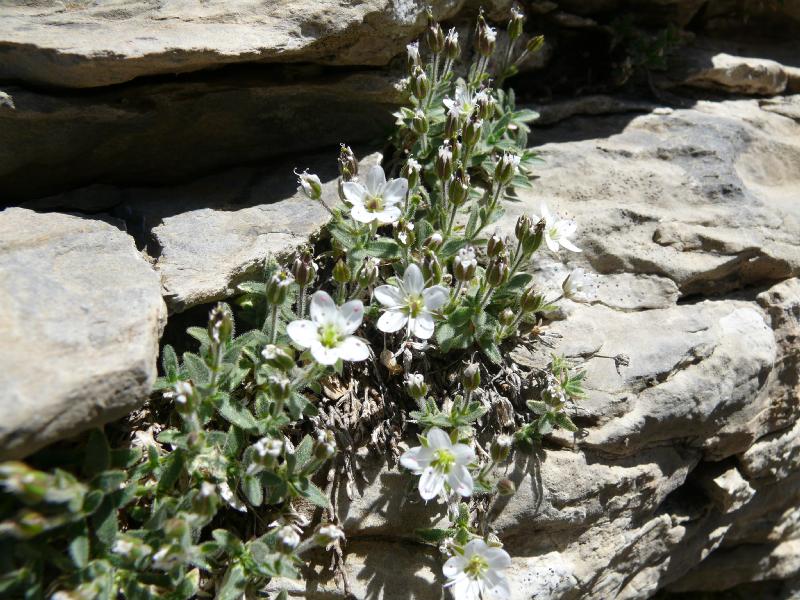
point(207, 500)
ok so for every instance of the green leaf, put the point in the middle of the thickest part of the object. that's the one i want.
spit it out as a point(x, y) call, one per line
point(452, 246)
point(312, 493)
point(171, 467)
point(383, 248)
point(303, 452)
point(109, 481)
point(537, 406)
point(236, 414)
point(491, 351)
point(253, 287)
point(233, 584)
point(169, 362)
point(79, 549)
point(124, 458)
point(200, 334)
point(525, 115)
point(253, 490)
point(196, 368)
point(434, 535)
point(188, 586)
point(104, 523)
point(562, 420)
point(98, 453)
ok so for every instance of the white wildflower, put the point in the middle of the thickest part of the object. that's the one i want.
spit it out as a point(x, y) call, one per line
point(558, 231)
point(411, 303)
point(329, 333)
point(440, 462)
point(462, 100)
point(477, 574)
point(378, 199)
point(575, 286)
point(328, 535)
point(309, 184)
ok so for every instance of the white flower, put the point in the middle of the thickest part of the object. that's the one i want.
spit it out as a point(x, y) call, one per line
point(558, 231)
point(230, 497)
point(411, 303)
point(574, 286)
point(477, 574)
point(378, 200)
point(329, 333)
point(122, 547)
point(463, 101)
point(328, 535)
point(439, 462)
point(269, 447)
point(412, 50)
point(309, 184)
point(288, 538)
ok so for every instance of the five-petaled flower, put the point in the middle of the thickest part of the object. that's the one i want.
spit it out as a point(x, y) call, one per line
point(440, 462)
point(378, 199)
point(558, 231)
point(329, 333)
point(477, 573)
point(410, 303)
point(463, 101)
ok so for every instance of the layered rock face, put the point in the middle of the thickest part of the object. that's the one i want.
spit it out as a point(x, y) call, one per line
point(144, 192)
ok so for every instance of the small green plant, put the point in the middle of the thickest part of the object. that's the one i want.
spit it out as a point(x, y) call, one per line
point(205, 501)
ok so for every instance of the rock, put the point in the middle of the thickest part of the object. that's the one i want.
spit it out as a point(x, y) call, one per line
point(89, 45)
point(727, 489)
point(157, 132)
point(80, 317)
point(741, 75)
point(787, 106)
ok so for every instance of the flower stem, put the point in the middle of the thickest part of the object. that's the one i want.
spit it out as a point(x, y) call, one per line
point(273, 329)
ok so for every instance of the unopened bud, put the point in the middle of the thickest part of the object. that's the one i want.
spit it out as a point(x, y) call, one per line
point(309, 184)
point(459, 187)
point(444, 162)
point(501, 448)
point(367, 273)
point(304, 269)
point(341, 272)
point(531, 243)
point(278, 287)
point(433, 242)
point(277, 358)
point(431, 268)
point(471, 377)
point(411, 171)
point(287, 539)
point(530, 301)
point(495, 246)
point(498, 272)
point(507, 317)
point(419, 84)
point(434, 35)
point(515, 23)
point(280, 388)
point(535, 44)
point(416, 386)
point(419, 123)
point(348, 165)
point(523, 227)
point(506, 168)
point(486, 37)
point(506, 487)
point(220, 323)
point(472, 131)
point(465, 264)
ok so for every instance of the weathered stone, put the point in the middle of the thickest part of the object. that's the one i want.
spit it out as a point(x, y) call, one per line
point(742, 75)
point(80, 317)
point(85, 44)
point(156, 133)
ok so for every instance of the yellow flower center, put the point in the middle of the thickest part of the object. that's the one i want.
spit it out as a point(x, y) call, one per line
point(415, 306)
point(476, 567)
point(329, 336)
point(374, 204)
point(443, 460)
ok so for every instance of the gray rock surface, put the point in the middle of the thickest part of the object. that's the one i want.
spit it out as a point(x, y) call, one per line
point(80, 317)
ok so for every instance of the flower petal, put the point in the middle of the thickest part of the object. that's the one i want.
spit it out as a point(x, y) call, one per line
point(431, 483)
point(353, 349)
point(361, 214)
point(463, 453)
point(546, 215)
point(392, 320)
point(436, 297)
point(423, 326)
point(497, 558)
point(566, 227)
point(454, 565)
point(303, 333)
point(569, 245)
point(323, 308)
point(413, 281)
point(417, 458)
point(461, 481)
point(395, 191)
point(388, 295)
point(324, 355)
point(437, 438)
point(390, 214)
point(351, 313)
point(467, 589)
point(497, 587)
point(375, 179)
point(551, 243)
point(354, 192)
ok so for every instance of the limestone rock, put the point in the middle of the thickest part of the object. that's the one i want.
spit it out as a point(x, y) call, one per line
point(742, 75)
point(80, 317)
point(86, 44)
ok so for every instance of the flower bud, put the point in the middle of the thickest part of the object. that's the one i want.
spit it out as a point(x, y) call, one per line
point(412, 56)
point(456, 147)
point(459, 187)
point(341, 272)
point(419, 84)
point(506, 168)
point(507, 317)
point(523, 227)
point(280, 388)
point(444, 162)
point(433, 242)
point(416, 386)
point(485, 104)
point(535, 44)
point(501, 448)
point(310, 185)
point(531, 243)
point(328, 535)
point(472, 131)
point(411, 171)
point(465, 264)
point(185, 397)
point(506, 487)
point(452, 123)
point(304, 269)
point(277, 358)
point(495, 246)
point(471, 377)
point(452, 50)
point(431, 268)
point(325, 446)
point(515, 23)
point(267, 450)
point(367, 273)
point(287, 539)
point(220, 323)
point(348, 165)
point(434, 35)
point(404, 233)
point(485, 38)
point(419, 124)
point(530, 301)
point(498, 272)
point(278, 287)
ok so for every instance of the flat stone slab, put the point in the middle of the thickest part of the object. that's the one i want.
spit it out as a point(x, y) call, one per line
point(80, 318)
